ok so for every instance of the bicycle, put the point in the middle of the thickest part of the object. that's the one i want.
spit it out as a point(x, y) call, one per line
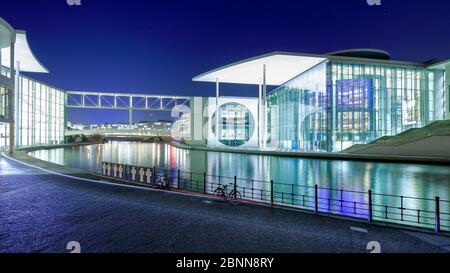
point(162, 183)
point(232, 197)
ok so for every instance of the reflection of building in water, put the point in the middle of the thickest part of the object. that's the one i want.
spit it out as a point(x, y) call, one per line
point(240, 165)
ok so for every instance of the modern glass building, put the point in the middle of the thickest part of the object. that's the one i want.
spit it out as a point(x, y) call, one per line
point(340, 103)
point(7, 41)
point(30, 111)
point(331, 102)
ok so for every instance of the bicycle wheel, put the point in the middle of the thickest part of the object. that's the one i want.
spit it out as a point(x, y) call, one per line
point(219, 192)
point(233, 200)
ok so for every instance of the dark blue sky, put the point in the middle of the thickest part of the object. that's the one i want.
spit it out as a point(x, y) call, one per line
point(158, 46)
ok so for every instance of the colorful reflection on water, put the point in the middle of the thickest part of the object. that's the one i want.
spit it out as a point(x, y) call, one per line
point(413, 180)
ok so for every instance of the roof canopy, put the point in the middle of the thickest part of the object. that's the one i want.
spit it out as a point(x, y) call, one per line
point(280, 67)
point(23, 54)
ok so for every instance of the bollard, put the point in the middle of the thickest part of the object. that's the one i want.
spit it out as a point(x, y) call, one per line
point(178, 177)
point(271, 192)
point(437, 223)
point(370, 206)
point(401, 208)
point(316, 198)
point(235, 186)
point(154, 174)
point(204, 182)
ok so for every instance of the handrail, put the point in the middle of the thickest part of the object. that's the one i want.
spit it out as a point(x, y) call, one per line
point(425, 212)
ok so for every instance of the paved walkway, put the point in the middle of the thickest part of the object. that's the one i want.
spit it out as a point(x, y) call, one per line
point(42, 212)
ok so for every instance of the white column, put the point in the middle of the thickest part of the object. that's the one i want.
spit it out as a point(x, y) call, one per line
point(12, 110)
point(446, 105)
point(264, 91)
point(130, 115)
point(17, 89)
point(260, 114)
point(217, 110)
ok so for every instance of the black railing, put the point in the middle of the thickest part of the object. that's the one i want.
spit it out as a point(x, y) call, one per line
point(414, 211)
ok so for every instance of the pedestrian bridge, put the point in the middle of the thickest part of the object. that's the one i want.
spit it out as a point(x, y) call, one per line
point(118, 132)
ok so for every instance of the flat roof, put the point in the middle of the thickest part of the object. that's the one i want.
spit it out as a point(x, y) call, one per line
point(23, 54)
point(280, 67)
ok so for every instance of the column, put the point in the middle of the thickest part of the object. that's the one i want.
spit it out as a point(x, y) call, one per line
point(217, 111)
point(447, 92)
point(264, 92)
point(17, 89)
point(12, 110)
point(130, 115)
point(259, 113)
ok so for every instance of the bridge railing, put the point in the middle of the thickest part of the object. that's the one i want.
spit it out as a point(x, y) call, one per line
point(127, 132)
point(429, 213)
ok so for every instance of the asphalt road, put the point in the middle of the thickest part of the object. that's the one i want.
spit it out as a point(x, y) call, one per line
point(42, 212)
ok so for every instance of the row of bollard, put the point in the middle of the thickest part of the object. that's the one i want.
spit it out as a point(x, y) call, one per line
point(133, 173)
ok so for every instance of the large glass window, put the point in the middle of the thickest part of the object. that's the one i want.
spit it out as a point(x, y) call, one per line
point(4, 103)
point(5, 117)
point(296, 117)
point(338, 104)
point(41, 114)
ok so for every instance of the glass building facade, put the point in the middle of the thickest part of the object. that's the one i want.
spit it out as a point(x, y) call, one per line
point(337, 104)
point(41, 114)
point(5, 106)
point(5, 97)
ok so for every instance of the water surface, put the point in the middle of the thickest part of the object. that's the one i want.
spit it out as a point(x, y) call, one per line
point(391, 178)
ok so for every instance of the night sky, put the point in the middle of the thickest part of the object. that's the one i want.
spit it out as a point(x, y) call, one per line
point(157, 47)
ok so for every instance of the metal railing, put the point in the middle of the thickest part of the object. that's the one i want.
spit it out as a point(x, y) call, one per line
point(430, 213)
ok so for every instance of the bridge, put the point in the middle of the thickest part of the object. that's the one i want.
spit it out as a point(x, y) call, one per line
point(125, 101)
point(118, 132)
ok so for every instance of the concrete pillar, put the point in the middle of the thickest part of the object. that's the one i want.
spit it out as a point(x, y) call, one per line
point(259, 113)
point(130, 114)
point(65, 115)
point(18, 90)
point(196, 107)
point(217, 110)
point(447, 91)
point(12, 110)
point(264, 92)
